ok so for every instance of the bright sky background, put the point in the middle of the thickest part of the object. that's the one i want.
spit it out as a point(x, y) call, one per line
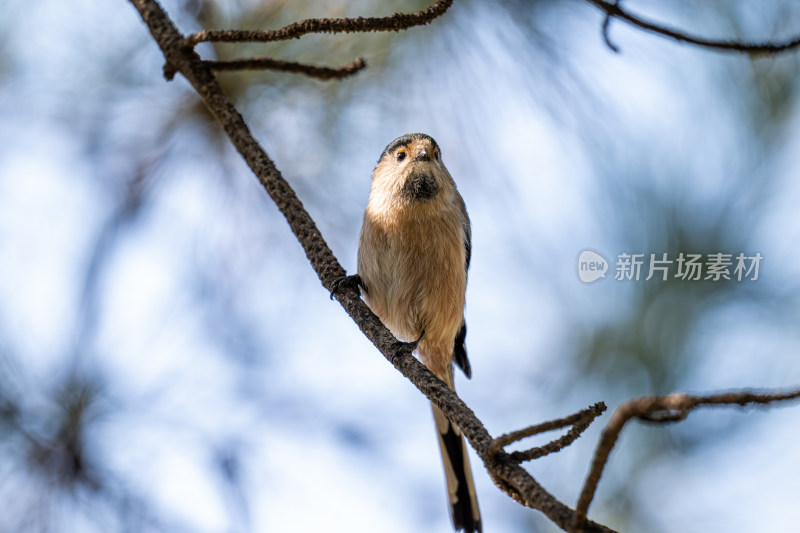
point(212, 342)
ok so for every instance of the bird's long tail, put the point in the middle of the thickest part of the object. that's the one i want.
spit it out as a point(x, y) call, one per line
point(462, 499)
point(460, 486)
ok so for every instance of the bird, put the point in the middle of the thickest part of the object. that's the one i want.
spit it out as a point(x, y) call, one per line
point(413, 257)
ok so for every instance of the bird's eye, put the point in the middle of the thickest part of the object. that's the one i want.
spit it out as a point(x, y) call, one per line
point(436, 154)
point(401, 154)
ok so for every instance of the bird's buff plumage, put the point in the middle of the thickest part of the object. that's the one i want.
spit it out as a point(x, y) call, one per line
point(413, 257)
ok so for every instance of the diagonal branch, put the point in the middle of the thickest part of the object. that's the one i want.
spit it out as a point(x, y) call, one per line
point(504, 468)
point(506, 473)
point(614, 10)
point(670, 408)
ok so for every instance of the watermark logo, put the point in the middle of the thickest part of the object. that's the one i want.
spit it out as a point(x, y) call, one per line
point(591, 266)
point(685, 266)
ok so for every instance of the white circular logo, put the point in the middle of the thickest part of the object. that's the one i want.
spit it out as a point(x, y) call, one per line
point(591, 266)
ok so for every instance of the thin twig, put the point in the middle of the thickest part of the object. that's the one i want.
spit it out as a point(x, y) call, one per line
point(268, 63)
point(396, 22)
point(606, 36)
point(668, 408)
point(612, 9)
point(590, 413)
point(579, 425)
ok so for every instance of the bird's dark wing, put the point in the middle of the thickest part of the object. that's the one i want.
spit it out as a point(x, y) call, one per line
point(460, 347)
point(466, 229)
point(460, 351)
point(467, 244)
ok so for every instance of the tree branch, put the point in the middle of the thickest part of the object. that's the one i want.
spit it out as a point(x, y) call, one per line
point(504, 468)
point(579, 422)
point(262, 63)
point(613, 10)
point(505, 472)
point(396, 22)
point(660, 409)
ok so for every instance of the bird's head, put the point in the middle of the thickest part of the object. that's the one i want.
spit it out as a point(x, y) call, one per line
point(411, 168)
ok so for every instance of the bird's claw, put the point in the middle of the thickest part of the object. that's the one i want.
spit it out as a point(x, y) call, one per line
point(352, 282)
point(404, 348)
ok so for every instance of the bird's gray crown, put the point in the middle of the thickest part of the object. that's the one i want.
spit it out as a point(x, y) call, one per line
point(405, 140)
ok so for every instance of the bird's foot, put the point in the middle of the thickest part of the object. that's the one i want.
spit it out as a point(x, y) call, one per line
point(404, 348)
point(352, 282)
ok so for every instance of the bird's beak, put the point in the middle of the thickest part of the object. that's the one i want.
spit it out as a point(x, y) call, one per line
point(423, 155)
